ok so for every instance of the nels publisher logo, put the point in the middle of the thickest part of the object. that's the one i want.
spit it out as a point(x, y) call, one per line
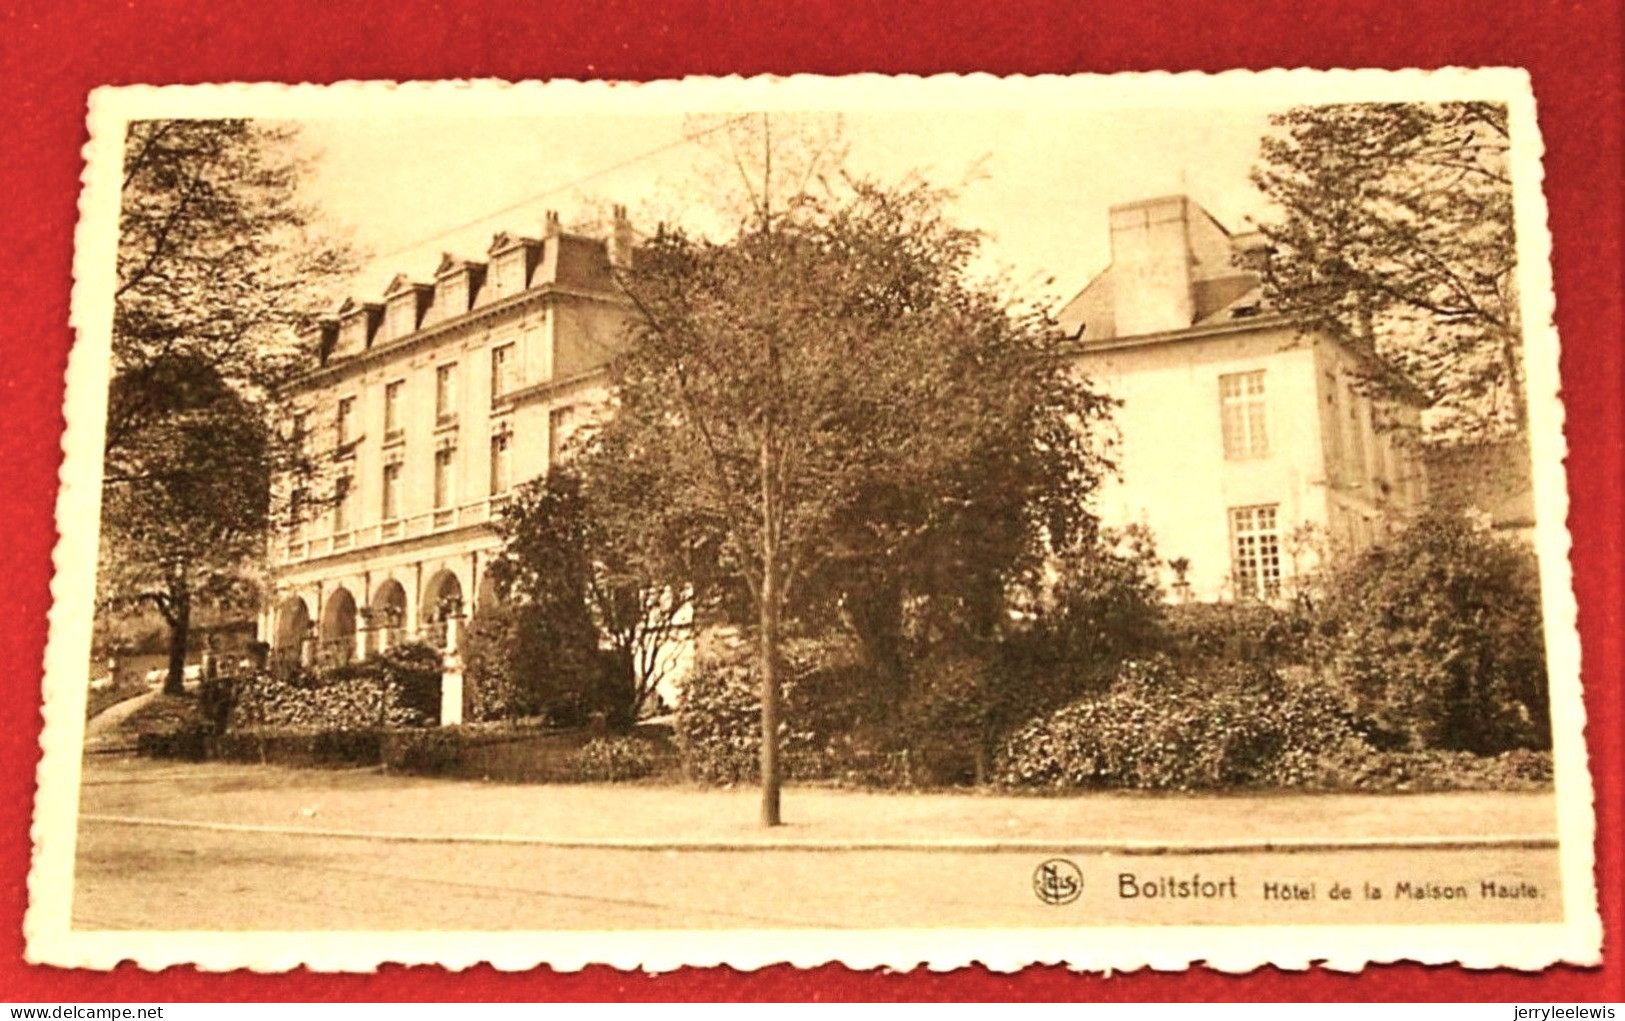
point(1057, 882)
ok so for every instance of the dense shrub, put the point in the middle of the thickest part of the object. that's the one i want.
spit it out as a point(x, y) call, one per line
point(1099, 606)
point(216, 697)
point(608, 760)
point(1157, 730)
point(718, 727)
point(411, 671)
point(1438, 635)
point(498, 690)
point(188, 743)
point(430, 750)
point(352, 703)
point(953, 708)
point(1246, 631)
point(1521, 769)
point(516, 668)
point(397, 688)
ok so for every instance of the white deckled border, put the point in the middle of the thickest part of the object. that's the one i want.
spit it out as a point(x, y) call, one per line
point(51, 940)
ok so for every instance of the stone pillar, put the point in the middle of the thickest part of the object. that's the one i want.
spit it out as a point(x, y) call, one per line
point(363, 632)
point(451, 692)
point(307, 651)
point(454, 628)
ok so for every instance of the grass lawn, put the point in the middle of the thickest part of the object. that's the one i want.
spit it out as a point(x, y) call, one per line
point(164, 714)
point(102, 699)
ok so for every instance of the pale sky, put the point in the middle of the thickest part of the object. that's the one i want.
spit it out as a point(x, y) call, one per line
point(408, 189)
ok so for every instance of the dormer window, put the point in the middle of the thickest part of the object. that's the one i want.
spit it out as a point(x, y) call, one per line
point(404, 304)
point(511, 258)
point(403, 316)
point(452, 295)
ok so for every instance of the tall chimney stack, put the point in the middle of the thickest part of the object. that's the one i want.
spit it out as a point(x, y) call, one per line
point(1151, 266)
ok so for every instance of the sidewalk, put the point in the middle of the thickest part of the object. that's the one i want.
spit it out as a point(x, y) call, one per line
point(365, 803)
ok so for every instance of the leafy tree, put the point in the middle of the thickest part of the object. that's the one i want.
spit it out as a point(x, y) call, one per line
point(182, 533)
point(835, 410)
point(1396, 235)
point(581, 563)
point(1438, 633)
point(217, 266)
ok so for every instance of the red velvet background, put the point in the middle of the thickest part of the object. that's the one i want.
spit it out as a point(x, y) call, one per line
point(52, 54)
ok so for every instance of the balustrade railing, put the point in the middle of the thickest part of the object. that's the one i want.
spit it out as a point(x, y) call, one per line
point(473, 513)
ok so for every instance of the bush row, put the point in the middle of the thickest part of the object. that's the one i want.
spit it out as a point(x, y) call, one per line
point(548, 756)
point(397, 688)
point(1157, 730)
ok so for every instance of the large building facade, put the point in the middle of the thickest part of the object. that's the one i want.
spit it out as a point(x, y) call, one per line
point(429, 406)
point(1249, 448)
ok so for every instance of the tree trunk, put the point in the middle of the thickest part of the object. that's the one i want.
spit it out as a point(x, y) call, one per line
point(769, 641)
point(180, 624)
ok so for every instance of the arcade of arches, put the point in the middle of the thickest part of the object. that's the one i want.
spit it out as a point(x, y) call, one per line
point(343, 630)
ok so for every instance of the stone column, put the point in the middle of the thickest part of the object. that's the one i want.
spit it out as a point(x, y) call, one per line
point(451, 683)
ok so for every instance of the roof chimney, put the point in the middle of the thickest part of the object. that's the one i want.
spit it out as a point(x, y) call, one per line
point(551, 227)
point(622, 239)
point(1151, 266)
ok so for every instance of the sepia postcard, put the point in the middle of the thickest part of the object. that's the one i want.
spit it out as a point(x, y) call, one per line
point(1115, 521)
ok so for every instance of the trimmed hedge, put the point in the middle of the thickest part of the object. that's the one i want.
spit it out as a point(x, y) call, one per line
point(329, 748)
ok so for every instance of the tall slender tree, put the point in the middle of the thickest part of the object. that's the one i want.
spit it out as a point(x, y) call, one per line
point(1396, 234)
point(219, 264)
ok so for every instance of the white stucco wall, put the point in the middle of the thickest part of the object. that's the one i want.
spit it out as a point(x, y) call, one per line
point(1174, 477)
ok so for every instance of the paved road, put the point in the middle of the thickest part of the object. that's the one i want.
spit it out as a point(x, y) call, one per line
point(136, 877)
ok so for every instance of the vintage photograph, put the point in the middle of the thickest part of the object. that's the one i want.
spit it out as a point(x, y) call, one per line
point(1114, 521)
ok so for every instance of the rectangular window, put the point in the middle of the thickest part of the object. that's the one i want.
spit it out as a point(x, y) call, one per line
point(502, 366)
point(392, 409)
point(392, 491)
point(445, 397)
point(558, 434)
point(341, 505)
point(1356, 439)
point(296, 514)
point(343, 424)
point(1255, 545)
point(442, 478)
point(501, 463)
point(1241, 400)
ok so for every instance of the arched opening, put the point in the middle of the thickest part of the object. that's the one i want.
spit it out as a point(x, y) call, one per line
point(388, 623)
point(337, 643)
point(291, 634)
point(442, 603)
